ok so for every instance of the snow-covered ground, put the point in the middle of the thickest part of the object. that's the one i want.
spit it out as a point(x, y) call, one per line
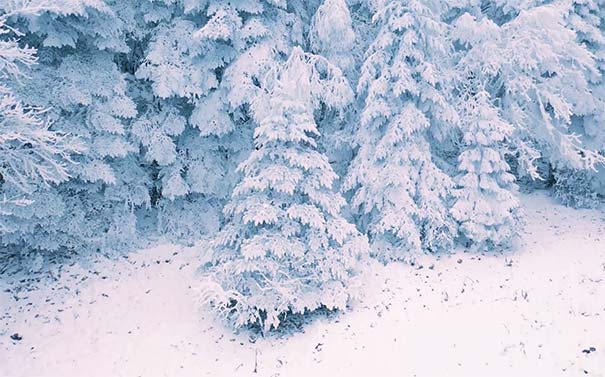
point(538, 310)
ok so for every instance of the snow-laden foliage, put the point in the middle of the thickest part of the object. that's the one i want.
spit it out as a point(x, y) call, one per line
point(32, 155)
point(205, 62)
point(400, 193)
point(585, 188)
point(85, 93)
point(29, 151)
point(286, 248)
point(123, 122)
point(332, 33)
point(539, 73)
point(157, 94)
point(547, 82)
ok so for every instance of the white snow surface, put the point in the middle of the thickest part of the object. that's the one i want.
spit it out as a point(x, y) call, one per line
point(536, 310)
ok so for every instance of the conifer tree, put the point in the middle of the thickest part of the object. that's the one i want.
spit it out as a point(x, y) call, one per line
point(285, 247)
point(33, 157)
point(587, 19)
point(401, 195)
point(486, 206)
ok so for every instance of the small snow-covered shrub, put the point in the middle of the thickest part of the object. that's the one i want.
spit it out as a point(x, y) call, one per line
point(579, 188)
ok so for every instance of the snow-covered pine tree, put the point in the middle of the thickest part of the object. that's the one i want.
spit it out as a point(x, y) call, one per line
point(587, 19)
point(286, 248)
point(486, 206)
point(400, 193)
point(34, 157)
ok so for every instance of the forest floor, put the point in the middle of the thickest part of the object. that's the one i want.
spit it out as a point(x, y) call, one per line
point(537, 310)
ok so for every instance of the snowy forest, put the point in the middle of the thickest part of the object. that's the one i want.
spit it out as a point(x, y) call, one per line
point(302, 140)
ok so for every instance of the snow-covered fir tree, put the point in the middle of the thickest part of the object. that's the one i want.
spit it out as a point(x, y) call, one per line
point(332, 36)
point(286, 248)
point(486, 206)
point(35, 156)
point(401, 194)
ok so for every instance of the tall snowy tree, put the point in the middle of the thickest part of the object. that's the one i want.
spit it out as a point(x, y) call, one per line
point(402, 196)
point(332, 36)
point(286, 247)
point(587, 19)
point(33, 157)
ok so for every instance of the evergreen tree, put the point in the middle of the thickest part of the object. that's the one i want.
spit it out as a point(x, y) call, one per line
point(587, 19)
point(486, 205)
point(34, 157)
point(286, 247)
point(402, 196)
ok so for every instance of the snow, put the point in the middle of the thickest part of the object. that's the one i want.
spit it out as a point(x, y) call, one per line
point(533, 311)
